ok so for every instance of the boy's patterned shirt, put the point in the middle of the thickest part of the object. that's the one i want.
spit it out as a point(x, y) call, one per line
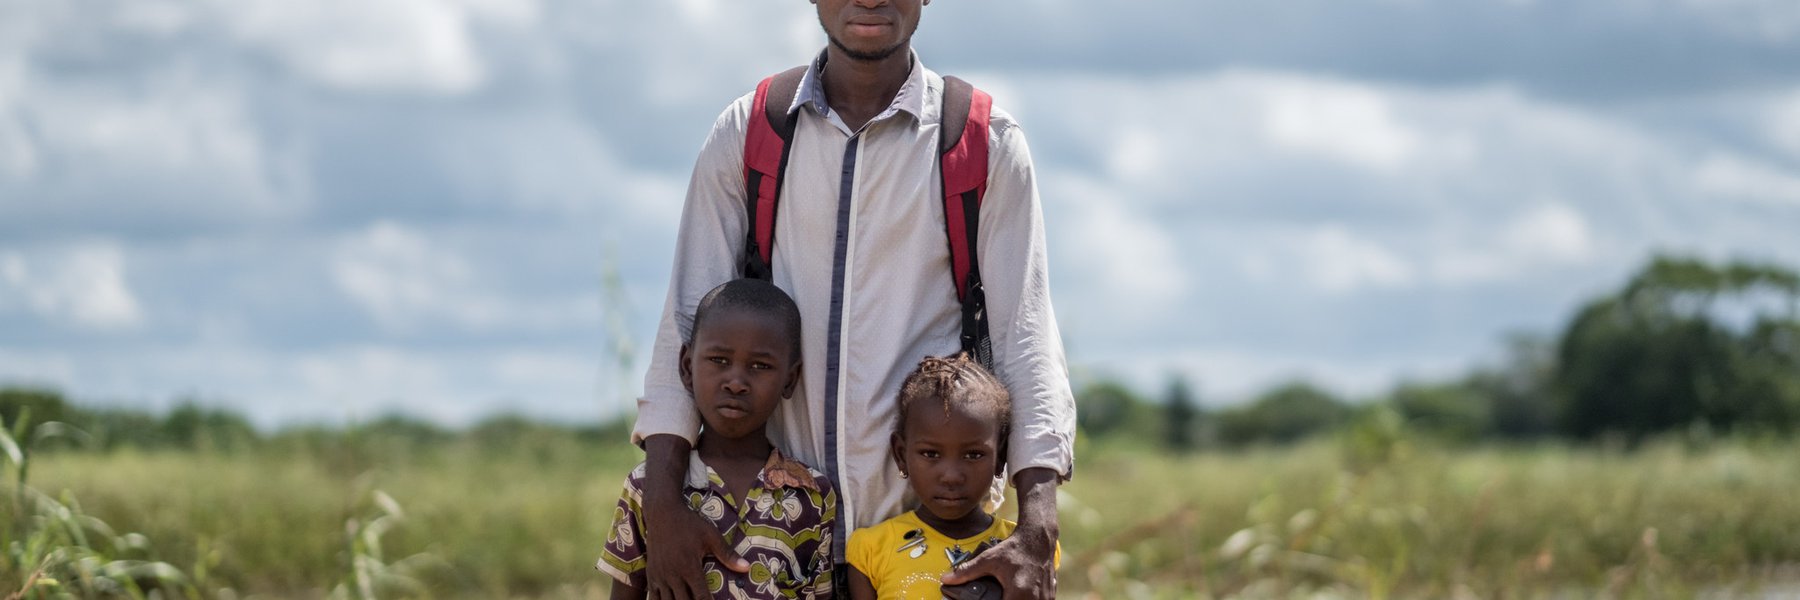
point(783, 527)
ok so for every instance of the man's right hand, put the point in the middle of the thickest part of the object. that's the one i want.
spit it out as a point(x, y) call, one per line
point(677, 539)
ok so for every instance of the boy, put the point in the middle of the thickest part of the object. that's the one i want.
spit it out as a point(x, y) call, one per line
point(741, 359)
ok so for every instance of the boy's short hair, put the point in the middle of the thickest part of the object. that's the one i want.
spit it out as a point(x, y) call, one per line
point(755, 295)
point(958, 380)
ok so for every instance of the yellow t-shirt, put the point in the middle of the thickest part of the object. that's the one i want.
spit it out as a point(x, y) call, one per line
point(885, 553)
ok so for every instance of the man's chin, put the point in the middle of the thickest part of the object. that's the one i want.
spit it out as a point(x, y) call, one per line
point(867, 55)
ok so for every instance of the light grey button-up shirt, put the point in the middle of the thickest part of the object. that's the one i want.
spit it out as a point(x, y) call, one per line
point(860, 245)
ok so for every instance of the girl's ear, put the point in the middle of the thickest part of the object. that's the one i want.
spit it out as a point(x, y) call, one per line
point(687, 370)
point(793, 381)
point(897, 447)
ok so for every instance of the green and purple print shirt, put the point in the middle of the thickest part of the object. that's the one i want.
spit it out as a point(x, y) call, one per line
point(782, 526)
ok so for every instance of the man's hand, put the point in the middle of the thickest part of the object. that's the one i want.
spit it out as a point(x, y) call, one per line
point(1024, 562)
point(677, 538)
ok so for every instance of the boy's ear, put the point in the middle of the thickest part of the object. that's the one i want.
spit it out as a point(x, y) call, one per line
point(793, 381)
point(687, 370)
point(897, 447)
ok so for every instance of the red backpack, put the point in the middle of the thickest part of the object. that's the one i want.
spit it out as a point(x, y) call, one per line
point(962, 161)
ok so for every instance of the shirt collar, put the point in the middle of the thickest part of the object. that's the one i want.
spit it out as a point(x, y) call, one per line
point(910, 99)
point(779, 471)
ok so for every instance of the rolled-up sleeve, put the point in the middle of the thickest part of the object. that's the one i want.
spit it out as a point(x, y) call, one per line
point(1028, 350)
point(707, 250)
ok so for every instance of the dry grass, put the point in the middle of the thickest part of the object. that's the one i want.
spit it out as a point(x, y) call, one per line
point(1404, 519)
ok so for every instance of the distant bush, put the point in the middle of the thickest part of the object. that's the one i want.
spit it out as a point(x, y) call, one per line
point(1285, 414)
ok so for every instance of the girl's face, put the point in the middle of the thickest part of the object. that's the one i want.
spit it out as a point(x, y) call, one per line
point(950, 459)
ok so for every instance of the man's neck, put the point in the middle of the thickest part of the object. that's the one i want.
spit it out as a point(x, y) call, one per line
point(858, 90)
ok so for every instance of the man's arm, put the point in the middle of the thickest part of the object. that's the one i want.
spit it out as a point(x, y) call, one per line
point(1025, 563)
point(707, 245)
point(1028, 350)
point(1028, 358)
point(682, 538)
point(706, 254)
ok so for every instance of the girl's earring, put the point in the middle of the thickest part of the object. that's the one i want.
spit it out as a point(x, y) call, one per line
point(903, 474)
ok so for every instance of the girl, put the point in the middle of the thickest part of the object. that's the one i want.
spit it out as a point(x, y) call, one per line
point(949, 443)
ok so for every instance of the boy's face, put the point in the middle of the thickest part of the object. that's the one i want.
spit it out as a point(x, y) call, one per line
point(950, 459)
point(738, 368)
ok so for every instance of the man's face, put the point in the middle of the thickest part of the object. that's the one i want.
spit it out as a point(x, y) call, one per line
point(870, 29)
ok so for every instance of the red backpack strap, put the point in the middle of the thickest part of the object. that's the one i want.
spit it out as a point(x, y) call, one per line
point(766, 145)
point(963, 164)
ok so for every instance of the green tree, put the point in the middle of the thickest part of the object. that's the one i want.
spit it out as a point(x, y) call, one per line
point(1674, 348)
point(45, 404)
point(191, 425)
point(1453, 410)
point(1519, 393)
point(1179, 416)
point(1285, 414)
point(1105, 407)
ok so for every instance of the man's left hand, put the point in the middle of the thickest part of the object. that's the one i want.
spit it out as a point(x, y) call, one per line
point(1025, 563)
point(1022, 563)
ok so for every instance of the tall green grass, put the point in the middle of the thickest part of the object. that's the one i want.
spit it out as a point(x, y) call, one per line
point(1426, 521)
point(1372, 514)
point(51, 548)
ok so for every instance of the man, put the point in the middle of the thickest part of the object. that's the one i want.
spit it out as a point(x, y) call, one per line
point(859, 241)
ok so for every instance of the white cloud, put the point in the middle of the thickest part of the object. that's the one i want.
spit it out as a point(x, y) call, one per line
point(186, 129)
point(18, 153)
point(1738, 178)
point(1781, 119)
point(177, 147)
point(1113, 244)
point(547, 159)
point(388, 46)
point(407, 281)
point(1336, 261)
point(84, 285)
point(399, 278)
point(1550, 235)
point(1553, 232)
point(1345, 122)
point(159, 17)
point(1772, 20)
point(1137, 153)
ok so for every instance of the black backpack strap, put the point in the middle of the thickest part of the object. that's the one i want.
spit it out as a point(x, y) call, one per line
point(767, 143)
point(962, 166)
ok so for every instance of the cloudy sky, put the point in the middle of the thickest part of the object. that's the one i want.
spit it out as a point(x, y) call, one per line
point(328, 210)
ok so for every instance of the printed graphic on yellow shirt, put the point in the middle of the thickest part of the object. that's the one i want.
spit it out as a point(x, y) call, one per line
point(905, 559)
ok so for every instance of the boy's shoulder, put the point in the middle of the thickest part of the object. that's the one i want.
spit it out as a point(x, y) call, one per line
point(784, 470)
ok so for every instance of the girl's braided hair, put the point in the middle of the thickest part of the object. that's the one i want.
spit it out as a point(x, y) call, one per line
point(956, 380)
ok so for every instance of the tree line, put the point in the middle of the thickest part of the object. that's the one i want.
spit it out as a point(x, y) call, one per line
point(1684, 345)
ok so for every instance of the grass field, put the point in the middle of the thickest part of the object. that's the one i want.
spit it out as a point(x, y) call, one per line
point(1343, 517)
